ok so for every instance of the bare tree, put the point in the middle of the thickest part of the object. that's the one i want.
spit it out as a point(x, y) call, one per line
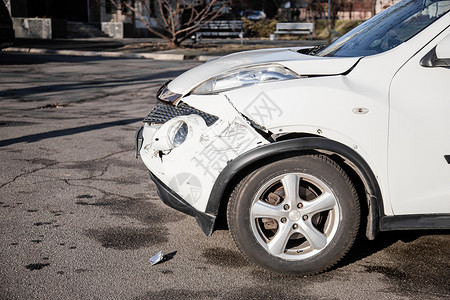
point(318, 11)
point(336, 7)
point(178, 19)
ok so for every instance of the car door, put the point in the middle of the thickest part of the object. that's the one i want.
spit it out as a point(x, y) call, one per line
point(419, 134)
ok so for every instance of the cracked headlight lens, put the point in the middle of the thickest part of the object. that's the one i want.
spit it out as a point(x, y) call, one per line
point(244, 77)
point(178, 133)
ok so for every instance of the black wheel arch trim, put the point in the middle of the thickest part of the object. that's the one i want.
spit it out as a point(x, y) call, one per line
point(251, 157)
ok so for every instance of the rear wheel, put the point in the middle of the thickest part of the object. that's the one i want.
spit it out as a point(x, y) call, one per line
point(298, 216)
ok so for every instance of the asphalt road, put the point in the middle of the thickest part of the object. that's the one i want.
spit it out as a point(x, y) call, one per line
point(79, 218)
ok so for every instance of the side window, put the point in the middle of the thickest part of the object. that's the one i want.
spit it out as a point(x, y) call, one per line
point(420, 20)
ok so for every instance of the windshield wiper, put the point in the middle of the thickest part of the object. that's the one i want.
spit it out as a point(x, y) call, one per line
point(311, 51)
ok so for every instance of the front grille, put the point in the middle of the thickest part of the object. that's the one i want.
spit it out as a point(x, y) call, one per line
point(163, 112)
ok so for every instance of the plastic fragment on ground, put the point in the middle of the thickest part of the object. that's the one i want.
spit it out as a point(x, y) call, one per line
point(157, 258)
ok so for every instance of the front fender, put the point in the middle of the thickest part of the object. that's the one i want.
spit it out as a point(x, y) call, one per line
point(245, 163)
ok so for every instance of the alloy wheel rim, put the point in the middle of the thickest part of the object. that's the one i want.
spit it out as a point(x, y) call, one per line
point(294, 216)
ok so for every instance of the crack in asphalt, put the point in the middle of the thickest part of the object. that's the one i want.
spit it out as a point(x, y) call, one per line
point(26, 173)
point(104, 192)
point(61, 163)
point(102, 172)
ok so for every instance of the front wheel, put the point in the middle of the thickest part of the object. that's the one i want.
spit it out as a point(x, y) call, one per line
point(296, 216)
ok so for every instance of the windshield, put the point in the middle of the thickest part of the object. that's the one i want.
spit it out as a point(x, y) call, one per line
point(388, 29)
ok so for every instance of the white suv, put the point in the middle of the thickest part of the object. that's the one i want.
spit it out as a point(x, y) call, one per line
point(303, 148)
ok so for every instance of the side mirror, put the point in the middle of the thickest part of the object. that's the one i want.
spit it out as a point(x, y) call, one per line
point(439, 56)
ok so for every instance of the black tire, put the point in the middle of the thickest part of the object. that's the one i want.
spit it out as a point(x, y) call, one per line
point(302, 240)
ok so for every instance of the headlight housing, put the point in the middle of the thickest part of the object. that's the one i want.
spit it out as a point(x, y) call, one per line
point(166, 95)
point(242, 77)
point(178, 133)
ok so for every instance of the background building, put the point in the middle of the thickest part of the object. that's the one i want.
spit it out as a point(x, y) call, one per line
point(92, 18)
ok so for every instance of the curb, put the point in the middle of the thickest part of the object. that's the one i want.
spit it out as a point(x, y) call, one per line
point(154, 56)
point(206, 57)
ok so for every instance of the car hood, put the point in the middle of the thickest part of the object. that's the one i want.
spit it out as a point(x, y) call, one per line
point(289, 57)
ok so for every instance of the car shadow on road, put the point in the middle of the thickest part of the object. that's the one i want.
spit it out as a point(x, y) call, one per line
point(8, 58)
point(364, 248)
point(64, 132)
point(85, 85)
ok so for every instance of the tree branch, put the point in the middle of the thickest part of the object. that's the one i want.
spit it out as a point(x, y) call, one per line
point(144, 21)
point(170, 16)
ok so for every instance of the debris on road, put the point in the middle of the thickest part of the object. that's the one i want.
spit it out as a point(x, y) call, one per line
point(157, 258)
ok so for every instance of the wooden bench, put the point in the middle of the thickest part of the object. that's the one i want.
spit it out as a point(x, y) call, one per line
point(221, 28)
point(294, 28)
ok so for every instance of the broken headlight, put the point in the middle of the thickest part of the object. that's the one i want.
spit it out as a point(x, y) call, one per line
point(178, 133)
point(244, 77)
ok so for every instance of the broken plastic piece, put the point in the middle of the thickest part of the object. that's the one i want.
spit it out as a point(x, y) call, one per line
point(157, 258)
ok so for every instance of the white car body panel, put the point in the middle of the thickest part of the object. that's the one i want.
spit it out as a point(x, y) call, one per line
point(419, 128)
point(324, 107)
point(300, 63)
point(443, 48)
point(368, 109)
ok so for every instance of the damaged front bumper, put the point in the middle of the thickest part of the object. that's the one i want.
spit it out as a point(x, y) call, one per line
point(170, 198)
point(186, 149)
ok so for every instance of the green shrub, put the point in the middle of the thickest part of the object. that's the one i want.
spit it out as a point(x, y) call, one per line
point(260, 29)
